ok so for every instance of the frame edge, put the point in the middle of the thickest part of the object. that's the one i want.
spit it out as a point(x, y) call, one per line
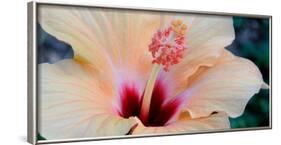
point(31, 76)
point(32, 67)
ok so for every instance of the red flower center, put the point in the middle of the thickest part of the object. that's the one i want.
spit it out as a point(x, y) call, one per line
point(161, 109)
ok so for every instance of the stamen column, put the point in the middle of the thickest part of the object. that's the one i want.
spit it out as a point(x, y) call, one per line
point(167, 48)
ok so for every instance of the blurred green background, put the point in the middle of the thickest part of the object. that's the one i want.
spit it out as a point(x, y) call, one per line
point(251, 41)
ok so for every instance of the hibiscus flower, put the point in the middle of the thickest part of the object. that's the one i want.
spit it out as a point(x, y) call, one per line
point(141, 72)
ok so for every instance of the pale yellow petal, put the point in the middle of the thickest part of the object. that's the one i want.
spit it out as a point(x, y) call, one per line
point(214, 122)
point(227, 86)
point(75, 103)
point(103, 37)
point(66, 24)
point(206, 38)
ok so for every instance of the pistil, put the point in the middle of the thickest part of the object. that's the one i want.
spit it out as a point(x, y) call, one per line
point(167, 48)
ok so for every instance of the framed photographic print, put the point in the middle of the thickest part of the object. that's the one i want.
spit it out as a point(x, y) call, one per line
point(107, 72)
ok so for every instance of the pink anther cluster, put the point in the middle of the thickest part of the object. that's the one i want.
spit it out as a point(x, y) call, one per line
point(167, 47)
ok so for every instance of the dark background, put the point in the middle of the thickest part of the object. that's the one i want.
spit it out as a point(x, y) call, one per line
point(251, 41)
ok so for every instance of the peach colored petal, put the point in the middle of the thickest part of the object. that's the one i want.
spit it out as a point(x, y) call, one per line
point(206, 38)
point(66, 24)
point(74, 103)
point(103, 37)
point(214, 122)
point(227, 86)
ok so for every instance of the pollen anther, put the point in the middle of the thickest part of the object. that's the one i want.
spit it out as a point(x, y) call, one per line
point(168, 45)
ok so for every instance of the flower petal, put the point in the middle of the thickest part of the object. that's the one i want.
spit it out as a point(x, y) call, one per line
point(214, 122)
point(103, 36)
point(76, 103)
point(227, 86)
point(206, 38)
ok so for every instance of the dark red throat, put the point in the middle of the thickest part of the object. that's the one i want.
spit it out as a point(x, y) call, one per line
point(161, 109)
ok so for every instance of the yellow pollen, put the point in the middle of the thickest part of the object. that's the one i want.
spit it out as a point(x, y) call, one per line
point(183, 27)
point(179, 21)
point(181, 32)
point(178, 27)
point(174, 23)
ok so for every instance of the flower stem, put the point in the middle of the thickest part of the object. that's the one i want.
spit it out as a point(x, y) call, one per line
point(148, 92)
